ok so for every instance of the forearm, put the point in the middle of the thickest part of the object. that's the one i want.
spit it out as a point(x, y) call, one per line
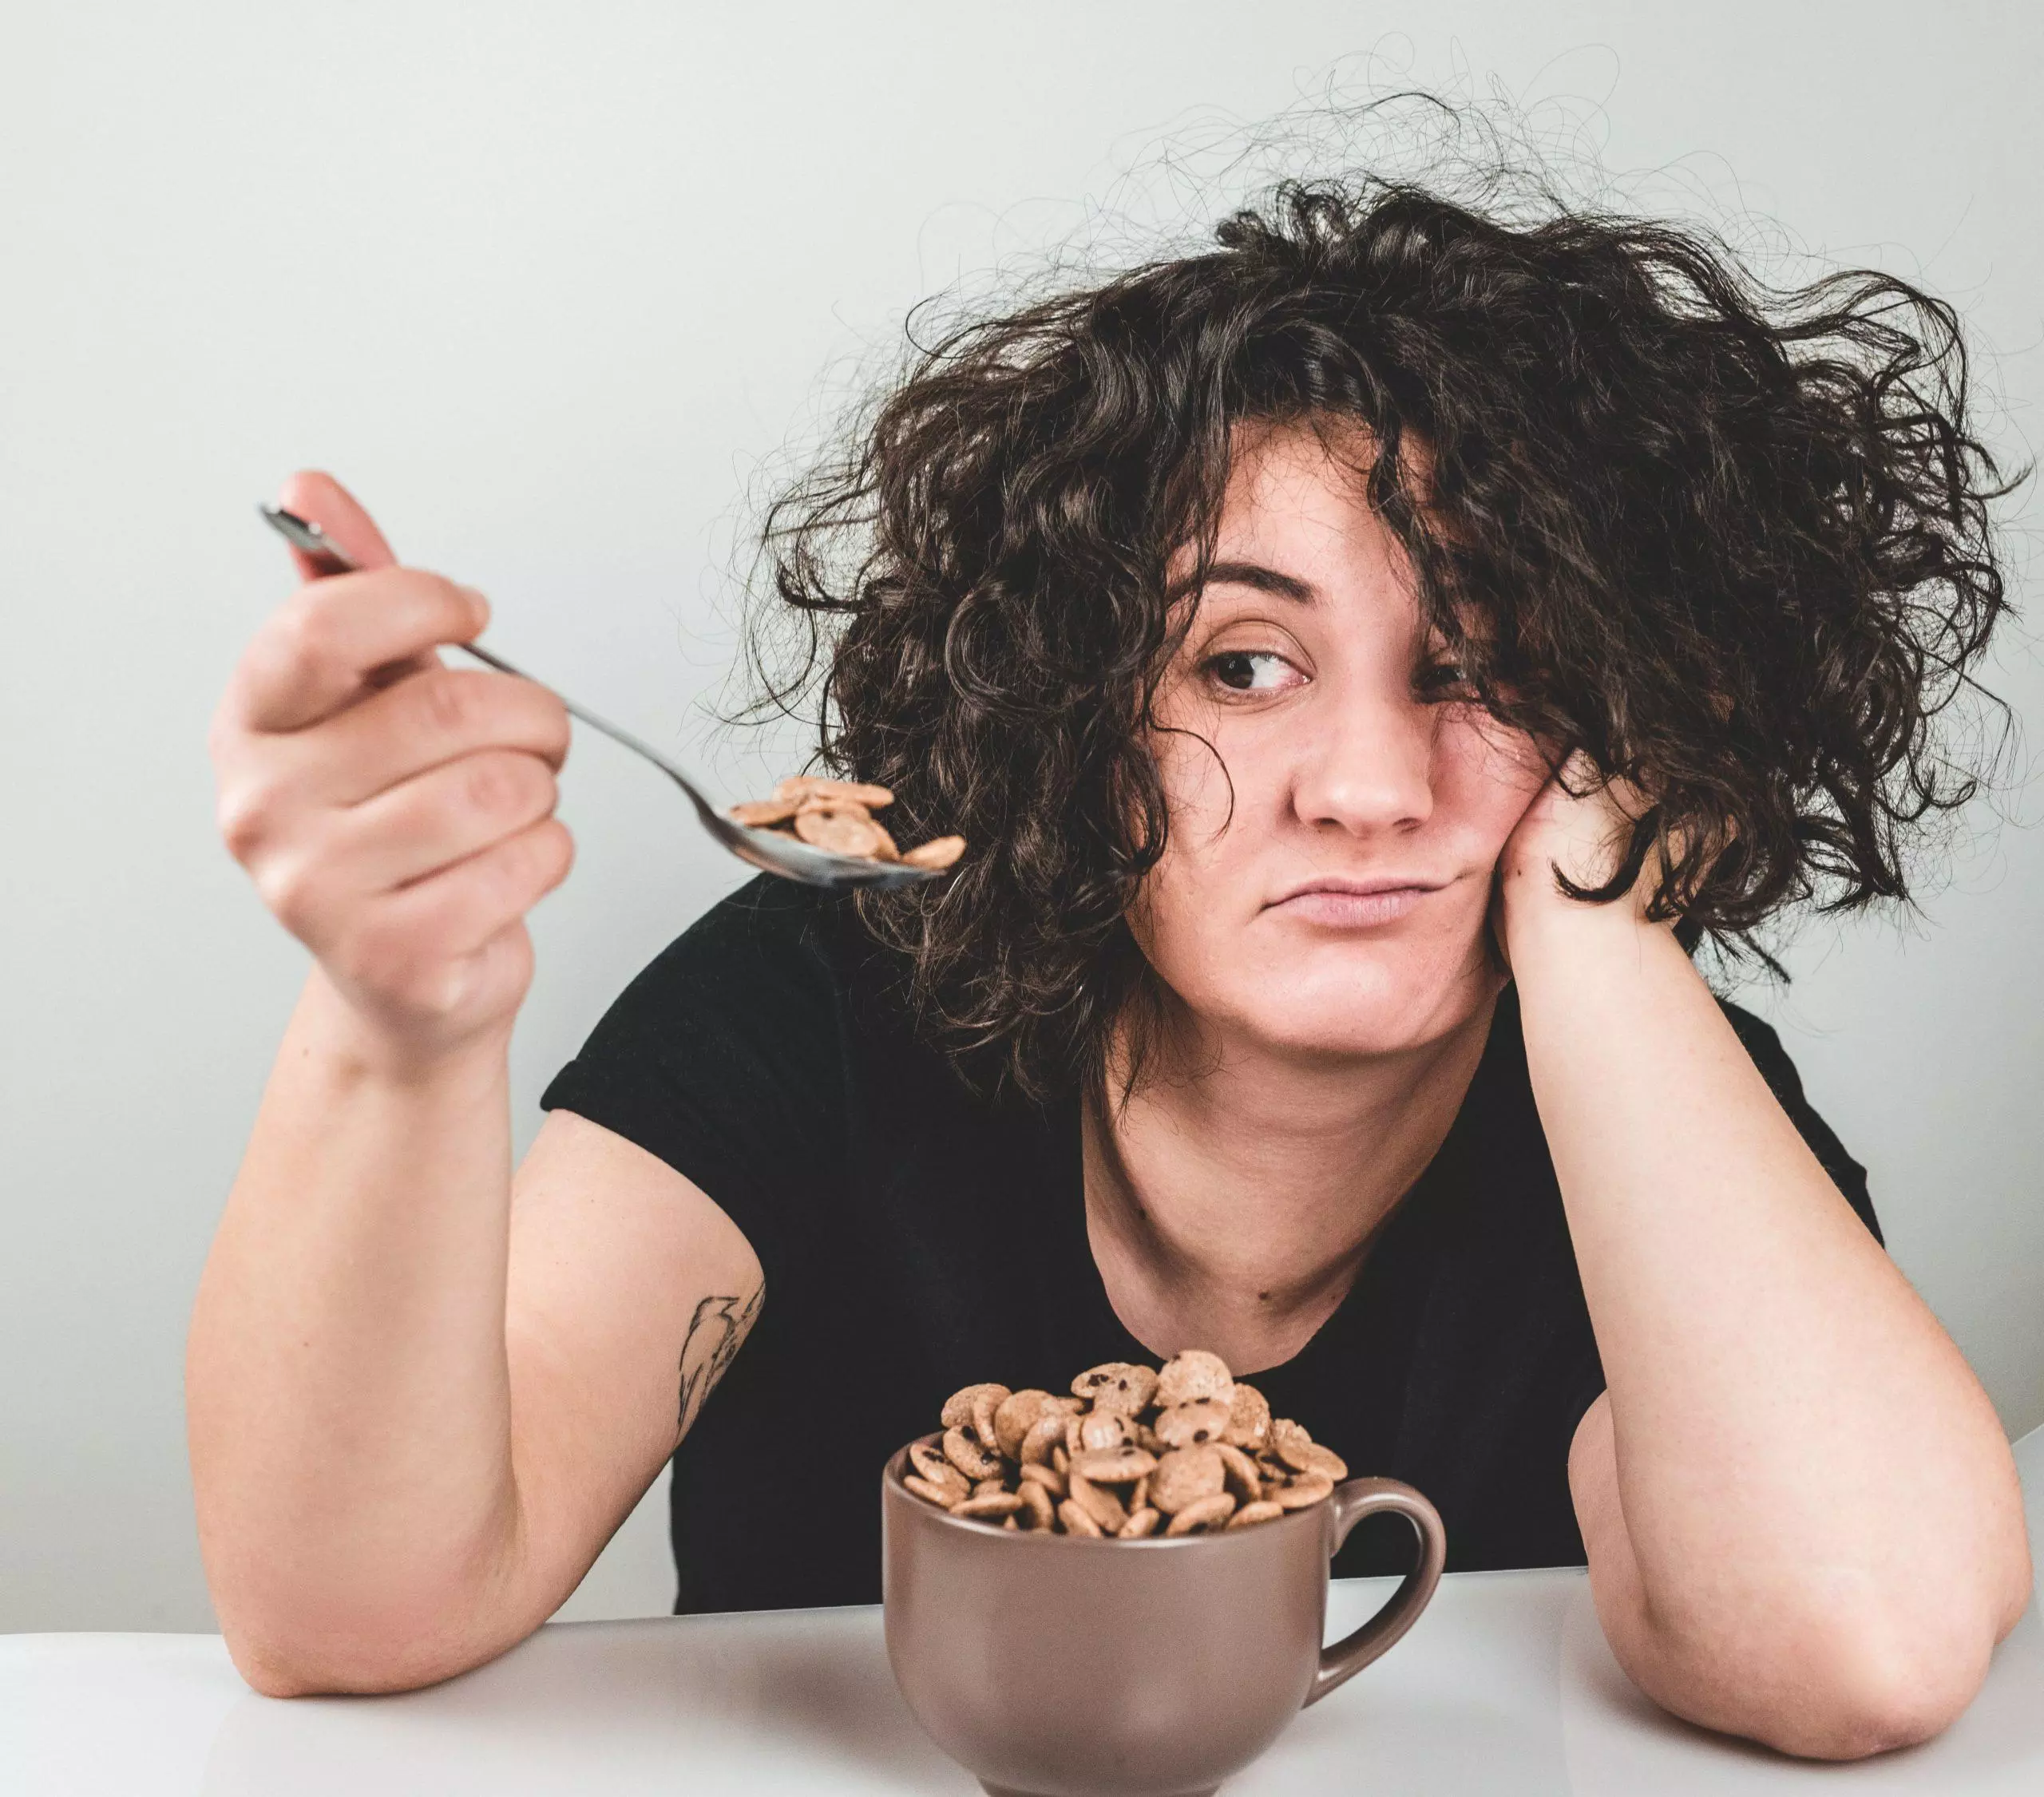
point(347, 1390)
point(1805, 1466)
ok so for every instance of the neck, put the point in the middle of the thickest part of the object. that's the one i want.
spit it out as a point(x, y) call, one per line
point(1231, 1201)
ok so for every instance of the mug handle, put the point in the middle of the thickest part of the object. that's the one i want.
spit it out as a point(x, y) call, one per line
point(1352, 1502)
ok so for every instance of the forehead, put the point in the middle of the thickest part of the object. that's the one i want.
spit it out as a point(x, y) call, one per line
point(1297, 502)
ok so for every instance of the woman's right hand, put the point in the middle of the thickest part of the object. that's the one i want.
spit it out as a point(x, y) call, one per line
point(396, 815)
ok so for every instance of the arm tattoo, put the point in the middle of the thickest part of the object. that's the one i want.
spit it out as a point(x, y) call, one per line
point(716, 1333)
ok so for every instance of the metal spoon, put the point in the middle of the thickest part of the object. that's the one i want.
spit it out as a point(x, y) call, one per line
point(789, 856)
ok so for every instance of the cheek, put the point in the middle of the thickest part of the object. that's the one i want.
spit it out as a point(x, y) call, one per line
point(1485, 778)
point(1178, 918)
point(1209, 776)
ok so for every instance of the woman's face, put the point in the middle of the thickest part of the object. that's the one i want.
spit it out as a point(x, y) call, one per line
point(1327, 878)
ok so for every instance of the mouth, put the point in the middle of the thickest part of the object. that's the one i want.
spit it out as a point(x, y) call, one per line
point(1343, 903)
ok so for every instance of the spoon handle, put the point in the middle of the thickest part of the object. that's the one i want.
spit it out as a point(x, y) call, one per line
point(329, 557)
point(616, 733)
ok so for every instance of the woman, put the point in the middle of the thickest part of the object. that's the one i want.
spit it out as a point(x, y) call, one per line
point(1364, 659)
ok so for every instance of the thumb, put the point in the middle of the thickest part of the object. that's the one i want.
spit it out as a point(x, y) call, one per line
point(320, 499)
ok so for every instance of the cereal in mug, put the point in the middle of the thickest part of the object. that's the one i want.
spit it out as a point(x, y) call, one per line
point(1132, 1451)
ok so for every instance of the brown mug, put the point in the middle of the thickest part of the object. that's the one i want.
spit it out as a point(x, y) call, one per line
point(1060, 1666)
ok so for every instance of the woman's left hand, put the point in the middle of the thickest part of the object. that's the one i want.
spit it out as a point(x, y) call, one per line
point(1583, 837)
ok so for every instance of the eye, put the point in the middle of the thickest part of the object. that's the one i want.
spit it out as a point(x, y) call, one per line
point(1250, 671)
point(1442, 680)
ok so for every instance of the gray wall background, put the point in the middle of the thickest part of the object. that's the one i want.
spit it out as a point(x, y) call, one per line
point(553, 285)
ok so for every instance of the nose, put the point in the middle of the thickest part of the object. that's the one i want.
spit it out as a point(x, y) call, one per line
point(1367, 766)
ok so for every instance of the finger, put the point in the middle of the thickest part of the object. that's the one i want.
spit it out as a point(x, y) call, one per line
point(423, 931)
point(435, 819)
point(320, 499)
point(414, 726)
point(323, 649)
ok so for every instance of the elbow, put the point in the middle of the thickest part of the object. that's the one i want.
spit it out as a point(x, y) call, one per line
point(278, 1665)
point(1854, 1710)
point(1845, 1686)
point(299, 1625)
point(275, 1666)
point(1855, 1679)
point(353, 1657)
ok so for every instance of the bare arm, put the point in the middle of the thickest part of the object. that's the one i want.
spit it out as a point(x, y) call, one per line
point(422, 1399)
point(1802, 1521)
point(418, 1403)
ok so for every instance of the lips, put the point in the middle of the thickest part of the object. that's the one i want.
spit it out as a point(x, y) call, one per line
point(1355, 904)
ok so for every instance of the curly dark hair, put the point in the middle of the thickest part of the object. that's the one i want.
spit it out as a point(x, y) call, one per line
point(1731, 541)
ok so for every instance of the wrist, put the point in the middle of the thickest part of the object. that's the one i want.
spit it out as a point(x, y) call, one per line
point(1557, 931)
point(358, 1050)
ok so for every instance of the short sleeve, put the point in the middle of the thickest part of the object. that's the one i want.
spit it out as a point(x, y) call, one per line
point(725, 1058)
point(1764, 1046)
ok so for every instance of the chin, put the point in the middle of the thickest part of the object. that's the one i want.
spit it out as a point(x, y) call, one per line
point(1346, 1007)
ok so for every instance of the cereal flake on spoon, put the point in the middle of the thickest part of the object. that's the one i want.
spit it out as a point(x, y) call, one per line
point(838, 816)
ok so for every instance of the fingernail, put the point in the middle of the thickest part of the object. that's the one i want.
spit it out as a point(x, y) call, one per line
point(477, 603)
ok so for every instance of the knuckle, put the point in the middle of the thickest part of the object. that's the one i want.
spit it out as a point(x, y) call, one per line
point(253, 810)
point(383, 957)
point(265, 667)
point(486, 784)
point(506, 783)
point(305, 635)
point(242, 817)
point(290, 888)
point(447, 700)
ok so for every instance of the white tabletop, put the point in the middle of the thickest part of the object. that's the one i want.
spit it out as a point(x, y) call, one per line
point(1505, 1685)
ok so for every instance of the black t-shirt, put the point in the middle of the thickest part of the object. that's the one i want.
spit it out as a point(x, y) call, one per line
point(916, 1238)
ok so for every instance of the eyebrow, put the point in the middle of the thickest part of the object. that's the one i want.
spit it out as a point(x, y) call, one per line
point(1254, 574)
